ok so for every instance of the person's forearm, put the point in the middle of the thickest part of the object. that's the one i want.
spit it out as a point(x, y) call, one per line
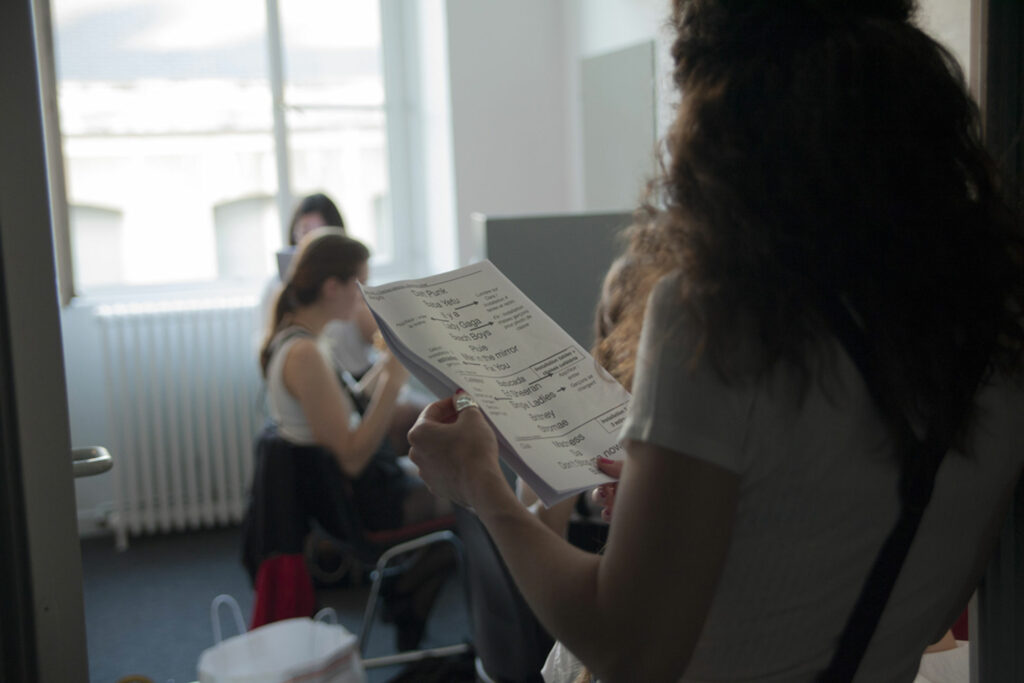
point(559, 581)
point(365, 440)
point(635, 612)
point(367, 384)
point(555, 518)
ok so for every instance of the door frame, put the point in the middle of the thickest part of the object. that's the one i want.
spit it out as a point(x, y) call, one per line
point(42, 619)
point(998, 626)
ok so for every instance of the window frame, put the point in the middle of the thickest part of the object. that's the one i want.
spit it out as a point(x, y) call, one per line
point(406, 233)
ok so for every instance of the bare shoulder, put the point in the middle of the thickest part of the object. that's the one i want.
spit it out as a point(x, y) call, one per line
point(303, 349)
point(303, 362)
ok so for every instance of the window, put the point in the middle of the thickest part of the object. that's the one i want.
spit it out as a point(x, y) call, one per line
point(245, 231)
point(175, 172)
point(97, 243)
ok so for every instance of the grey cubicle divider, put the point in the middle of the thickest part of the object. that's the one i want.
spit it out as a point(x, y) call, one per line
point(558, 261)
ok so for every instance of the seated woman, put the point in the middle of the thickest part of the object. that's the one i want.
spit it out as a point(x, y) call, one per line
point(350, 342)
point(307, 403)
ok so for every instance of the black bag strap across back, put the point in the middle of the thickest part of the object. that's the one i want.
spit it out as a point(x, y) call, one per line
point(920, 461)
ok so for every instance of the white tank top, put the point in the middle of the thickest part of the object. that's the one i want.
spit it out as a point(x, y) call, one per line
point(285, 410)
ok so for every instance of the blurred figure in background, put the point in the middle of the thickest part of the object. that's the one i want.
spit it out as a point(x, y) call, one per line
point(314, 211)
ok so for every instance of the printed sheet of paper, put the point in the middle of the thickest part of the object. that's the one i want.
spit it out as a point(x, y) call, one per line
point(554, 409)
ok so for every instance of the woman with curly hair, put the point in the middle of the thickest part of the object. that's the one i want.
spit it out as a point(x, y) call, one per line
point(825, 157)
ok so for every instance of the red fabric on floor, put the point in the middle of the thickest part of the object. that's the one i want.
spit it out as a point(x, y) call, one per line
point(284, 590)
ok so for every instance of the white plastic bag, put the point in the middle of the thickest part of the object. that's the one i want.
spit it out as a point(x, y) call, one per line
point(289, 651)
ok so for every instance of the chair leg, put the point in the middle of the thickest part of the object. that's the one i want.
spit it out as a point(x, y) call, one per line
point(371, 604)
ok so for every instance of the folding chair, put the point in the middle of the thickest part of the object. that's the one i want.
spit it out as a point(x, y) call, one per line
point(293, 486)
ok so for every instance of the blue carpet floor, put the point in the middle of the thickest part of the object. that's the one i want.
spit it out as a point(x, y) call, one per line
point(148, 609)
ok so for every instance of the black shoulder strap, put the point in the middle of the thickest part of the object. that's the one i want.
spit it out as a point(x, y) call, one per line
point(285, 334)
point(920, 461)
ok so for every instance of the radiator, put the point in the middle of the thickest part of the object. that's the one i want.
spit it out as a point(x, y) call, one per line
point(184, 404)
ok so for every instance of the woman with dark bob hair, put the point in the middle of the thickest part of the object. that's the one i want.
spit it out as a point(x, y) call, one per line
point(823, 152)
point(313, 211)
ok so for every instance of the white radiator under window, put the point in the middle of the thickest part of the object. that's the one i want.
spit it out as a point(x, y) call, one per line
point(184, 394)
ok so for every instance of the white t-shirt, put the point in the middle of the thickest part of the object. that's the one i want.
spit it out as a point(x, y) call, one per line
point(948, 666)
point(818, 495)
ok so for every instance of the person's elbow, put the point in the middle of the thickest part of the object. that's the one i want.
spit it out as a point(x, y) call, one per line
point(347, 467)
point(350, 455)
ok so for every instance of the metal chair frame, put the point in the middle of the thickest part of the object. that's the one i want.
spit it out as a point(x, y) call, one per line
point(383, 570)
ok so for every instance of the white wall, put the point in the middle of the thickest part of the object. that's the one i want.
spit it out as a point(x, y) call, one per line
point(949, 22)
point(419, 131)
point(509, 129)
point(516, 104)
point(609, 25)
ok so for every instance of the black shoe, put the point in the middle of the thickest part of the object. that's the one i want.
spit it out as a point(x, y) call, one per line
point(409, 629)
point(332, 563)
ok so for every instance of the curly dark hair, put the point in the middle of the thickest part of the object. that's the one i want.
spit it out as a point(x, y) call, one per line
point(830, 148)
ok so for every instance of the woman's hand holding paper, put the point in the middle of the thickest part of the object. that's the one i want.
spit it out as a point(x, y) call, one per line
point(456, 451)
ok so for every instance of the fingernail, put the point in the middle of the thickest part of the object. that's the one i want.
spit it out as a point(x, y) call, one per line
point(605, 460)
